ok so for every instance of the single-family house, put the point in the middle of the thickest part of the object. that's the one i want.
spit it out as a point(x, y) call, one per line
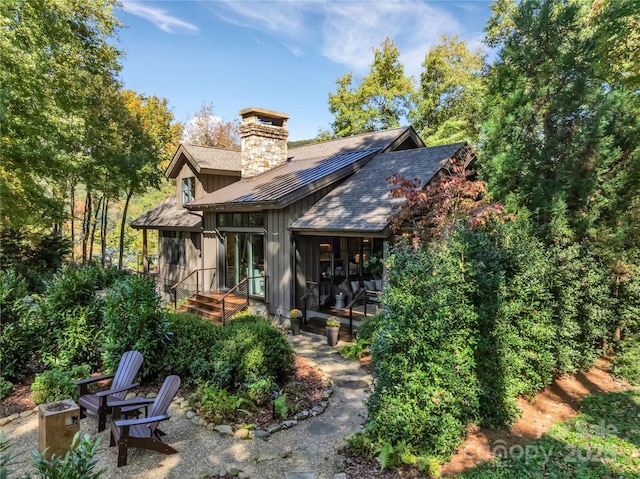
point(275, 223)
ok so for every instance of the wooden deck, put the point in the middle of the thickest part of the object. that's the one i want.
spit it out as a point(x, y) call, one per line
point(209, 305)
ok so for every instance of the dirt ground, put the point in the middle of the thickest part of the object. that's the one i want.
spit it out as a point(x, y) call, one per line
point(556, 403)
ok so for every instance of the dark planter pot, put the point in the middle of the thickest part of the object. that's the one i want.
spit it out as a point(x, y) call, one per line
point(295, 326)
point(332, 335)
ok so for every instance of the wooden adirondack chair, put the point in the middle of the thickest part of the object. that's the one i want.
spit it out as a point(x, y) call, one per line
point(143, 433)
point(99, 402)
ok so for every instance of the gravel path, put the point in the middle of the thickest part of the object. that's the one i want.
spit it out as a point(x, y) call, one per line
point(306, 451)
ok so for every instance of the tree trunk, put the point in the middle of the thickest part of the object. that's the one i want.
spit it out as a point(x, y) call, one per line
point(86, 221)
point(72, 205)
point(103, 231)
point(94, 226)
point(122, 226)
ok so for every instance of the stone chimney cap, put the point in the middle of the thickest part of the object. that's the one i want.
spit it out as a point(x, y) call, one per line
point(262, 112)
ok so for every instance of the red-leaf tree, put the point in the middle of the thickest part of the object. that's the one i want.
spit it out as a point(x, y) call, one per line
point(455, 194)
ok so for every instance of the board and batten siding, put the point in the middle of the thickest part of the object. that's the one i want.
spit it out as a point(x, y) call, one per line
point(281, 256)
point(211, 251)
point(205, 184)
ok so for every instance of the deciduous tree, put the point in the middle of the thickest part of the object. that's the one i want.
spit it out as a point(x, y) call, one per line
point(207, 129)
point(449, 108)
point(379, 101)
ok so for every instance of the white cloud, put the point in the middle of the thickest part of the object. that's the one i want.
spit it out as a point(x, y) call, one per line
point(158, 17)
point(345, 31)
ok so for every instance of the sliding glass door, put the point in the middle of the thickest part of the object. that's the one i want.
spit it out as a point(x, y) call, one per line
point(244, 258)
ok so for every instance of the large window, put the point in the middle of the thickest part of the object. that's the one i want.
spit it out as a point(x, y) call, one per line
point(345, 257)
point(174, 245)
point(188, 189)
point(251, 220)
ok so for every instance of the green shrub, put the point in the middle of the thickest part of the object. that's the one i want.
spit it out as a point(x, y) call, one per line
point(255, 349)
point(366, 330)
point(17, 338)
point(134, 320)
point(218, 405)
point(57, 383)
point(71, 322)
point(259, 389)
point(189, 354)
point(626, 365)
point(34, 255)
point(425, 388)
point(5, 387)
point(78, 463)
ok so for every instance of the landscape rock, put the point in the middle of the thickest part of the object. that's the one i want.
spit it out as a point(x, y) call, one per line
point(190, 414)
point(26, 413)
point(241, 433)
point(224, 429)
point(260, 434)
point(152, 395)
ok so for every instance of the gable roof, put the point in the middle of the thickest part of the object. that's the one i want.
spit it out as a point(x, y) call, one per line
point(361, 204)
point(206, 160)
point(309, 168)
point(168, 215)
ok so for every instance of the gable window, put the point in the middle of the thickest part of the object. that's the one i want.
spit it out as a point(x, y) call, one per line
point(174, 244)
point(188, 189)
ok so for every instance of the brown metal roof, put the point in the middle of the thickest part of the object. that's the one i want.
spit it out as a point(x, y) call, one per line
point(205, 159)
point(308, 168)
point(361, 204)
point(168, 215)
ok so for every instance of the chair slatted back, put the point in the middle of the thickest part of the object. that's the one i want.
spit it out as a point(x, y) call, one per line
point(126, 373)
point(166, 394)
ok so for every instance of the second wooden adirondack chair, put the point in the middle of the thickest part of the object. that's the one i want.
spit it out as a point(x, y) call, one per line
point(143, 433)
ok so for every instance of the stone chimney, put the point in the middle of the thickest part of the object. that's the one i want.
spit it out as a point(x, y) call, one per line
point(264, 140)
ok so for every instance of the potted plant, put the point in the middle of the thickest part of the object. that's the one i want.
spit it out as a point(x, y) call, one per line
point(295, 316)
point(375, 265)
point(333, 326)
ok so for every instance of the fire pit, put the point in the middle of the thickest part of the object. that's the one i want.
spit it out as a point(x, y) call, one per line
point(57, 424)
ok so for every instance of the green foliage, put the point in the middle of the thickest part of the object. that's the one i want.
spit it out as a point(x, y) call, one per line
point(189, 354)
point(378, 102)
point(280, 406)
point(70, 317)
point(78, 463)
point(259, 389)
point(5, 387)
point(254, 349)
point(57, 383)
point(248, 355)
point(600, 442)
point(58, 59)
point(35, 255)
point(16, 332)
point(218, 405)
point(626, 364)
point(134, 320)
point(449, 107)
point(425, 386)
point(367, 328)
point(333, 322)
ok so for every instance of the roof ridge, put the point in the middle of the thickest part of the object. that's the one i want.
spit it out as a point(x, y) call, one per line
point(349, 137)
point(212, 147)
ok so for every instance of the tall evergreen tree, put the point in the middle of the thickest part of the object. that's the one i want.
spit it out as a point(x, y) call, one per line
point(562, 139)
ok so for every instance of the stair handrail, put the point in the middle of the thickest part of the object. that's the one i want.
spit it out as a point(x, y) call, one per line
point(175, 286)
point(234, 290)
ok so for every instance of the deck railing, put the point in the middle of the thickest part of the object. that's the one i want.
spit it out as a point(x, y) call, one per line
point(184, 289)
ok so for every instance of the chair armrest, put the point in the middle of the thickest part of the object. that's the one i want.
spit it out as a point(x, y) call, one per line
point(144, 420)
point(131, 402)
point(94, 379)
point(119, 390)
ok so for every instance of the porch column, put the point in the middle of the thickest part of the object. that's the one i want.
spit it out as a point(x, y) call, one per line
point(145, 253)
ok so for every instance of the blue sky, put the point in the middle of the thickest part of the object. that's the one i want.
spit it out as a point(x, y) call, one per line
point(281, 55)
